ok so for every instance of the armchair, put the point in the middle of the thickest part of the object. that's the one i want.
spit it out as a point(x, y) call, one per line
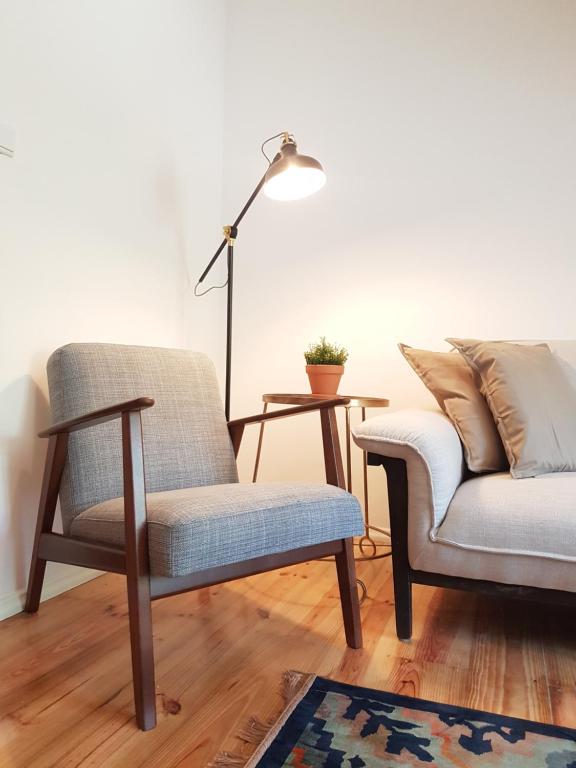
point(149, 488)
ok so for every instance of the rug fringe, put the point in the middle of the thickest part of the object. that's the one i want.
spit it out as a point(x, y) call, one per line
point(291, 683)
point(228, 760)
point(261, 733)
point(256, 730)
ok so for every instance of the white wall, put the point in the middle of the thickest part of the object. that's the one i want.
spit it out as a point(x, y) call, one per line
point(446, 129)
point(111, 200)
point(447, 132)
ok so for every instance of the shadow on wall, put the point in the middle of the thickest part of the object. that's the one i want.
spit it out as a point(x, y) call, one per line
point(24, 411)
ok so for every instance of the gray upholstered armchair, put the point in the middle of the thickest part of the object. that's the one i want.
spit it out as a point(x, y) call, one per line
point(153, 492)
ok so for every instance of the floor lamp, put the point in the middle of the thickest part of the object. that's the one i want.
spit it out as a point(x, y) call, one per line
point(290, 176)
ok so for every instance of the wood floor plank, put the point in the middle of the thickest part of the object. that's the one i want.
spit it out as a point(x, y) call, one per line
point(65, 675)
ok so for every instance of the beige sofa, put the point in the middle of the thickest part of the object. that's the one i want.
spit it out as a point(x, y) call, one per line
point(451, 528)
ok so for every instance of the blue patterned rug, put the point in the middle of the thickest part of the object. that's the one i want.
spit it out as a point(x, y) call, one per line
point(334, 725)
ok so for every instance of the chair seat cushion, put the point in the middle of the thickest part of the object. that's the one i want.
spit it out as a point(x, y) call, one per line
point(192, 529)
point(533, 517)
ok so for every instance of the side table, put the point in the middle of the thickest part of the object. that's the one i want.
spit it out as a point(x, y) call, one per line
point(354, 402)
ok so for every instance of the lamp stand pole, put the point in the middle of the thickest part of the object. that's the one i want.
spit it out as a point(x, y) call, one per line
point(230, 234)
point(287, 159)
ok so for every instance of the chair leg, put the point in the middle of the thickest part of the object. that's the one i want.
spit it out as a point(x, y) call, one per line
point(346, 569)
point(138, 571)
point(140, 617)
point(53, 468)
point(35, 583)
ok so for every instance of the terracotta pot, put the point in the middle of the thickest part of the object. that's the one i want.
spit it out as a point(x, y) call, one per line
point(324, 379)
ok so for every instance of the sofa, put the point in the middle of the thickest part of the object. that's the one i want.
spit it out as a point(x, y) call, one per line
point(482, 532)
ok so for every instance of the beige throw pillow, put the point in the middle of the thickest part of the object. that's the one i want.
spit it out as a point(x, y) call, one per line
point(532, 401)
point(452, 382)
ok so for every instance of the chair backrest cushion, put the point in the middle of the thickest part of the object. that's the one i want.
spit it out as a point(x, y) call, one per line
point(186, 440)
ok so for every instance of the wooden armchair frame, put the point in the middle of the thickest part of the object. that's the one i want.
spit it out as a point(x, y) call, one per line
point(132, 560)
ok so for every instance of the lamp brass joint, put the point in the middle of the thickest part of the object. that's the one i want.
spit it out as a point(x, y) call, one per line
point(230, 235)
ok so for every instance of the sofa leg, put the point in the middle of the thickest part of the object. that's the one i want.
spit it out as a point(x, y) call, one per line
point(403, 603)
point(346, 569)
point(397, 477)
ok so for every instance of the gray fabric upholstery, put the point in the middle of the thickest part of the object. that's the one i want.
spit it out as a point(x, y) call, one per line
point(199, 516)
point(535, 517)
point(186, 441)
point(429, 444)
point(512, 531)
point(197, 528)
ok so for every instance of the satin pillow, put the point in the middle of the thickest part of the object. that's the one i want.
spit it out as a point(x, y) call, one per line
point(452, 382)
point(532, 401)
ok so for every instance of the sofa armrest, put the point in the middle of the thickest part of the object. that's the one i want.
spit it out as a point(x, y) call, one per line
point(430, 445)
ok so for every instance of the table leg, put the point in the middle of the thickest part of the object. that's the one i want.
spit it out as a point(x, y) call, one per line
point(363, 590)
point(365, 469)
point(367, 538)
point(259, 449)
point(348, 451)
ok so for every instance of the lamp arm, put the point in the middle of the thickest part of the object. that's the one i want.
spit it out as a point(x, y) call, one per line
point(239, 218)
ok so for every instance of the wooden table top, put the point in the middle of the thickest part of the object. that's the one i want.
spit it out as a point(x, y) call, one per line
point(356, 401)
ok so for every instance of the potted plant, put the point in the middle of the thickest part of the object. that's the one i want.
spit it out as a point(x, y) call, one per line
point(325, 366)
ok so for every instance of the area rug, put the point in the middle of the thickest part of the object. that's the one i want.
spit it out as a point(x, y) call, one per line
point(326, 724)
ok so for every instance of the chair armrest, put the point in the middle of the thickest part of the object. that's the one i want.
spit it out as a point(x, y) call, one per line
point(330, 442)
point(98, 417)
point(430, 445)
point(284, 412)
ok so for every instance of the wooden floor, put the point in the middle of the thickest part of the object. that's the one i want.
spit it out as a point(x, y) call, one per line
point(65, 679)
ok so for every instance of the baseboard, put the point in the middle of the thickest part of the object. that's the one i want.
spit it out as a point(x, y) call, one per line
point(59, 578)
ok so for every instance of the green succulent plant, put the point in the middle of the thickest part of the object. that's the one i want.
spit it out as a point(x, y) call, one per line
point(325, 353)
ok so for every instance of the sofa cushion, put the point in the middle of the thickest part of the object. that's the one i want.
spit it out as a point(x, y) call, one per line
point(192, 529)
point(457, 390)
point(533, 403)
point(534, 518)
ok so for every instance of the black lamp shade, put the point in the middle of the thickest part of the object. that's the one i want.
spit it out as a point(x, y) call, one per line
point(293, 176)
